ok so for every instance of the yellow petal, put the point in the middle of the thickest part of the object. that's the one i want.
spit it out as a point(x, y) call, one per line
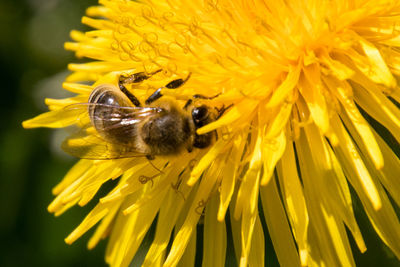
point(104, 227)
point(54, 119)
point(312, 92)
point(249, 218)
point(230, 174)
point(277, 123)
point(378, 106)
point(338, 69)
point(331, 234)
point(166, 221)
point(294, 200)
point(272, 150)
point(240, 111)
point(206, 160)
point(189, 256)
point(91, 219)
point(102, 67)
point(166, 178)
point(257, 250)
point(350, 158)
point(250, 179)
point(388, 175)
point(344, 93)
point(214, 244)
point(285, 87)
point(184, 234)
point(74, 173)
point(78, 88)
point(134, 228)
point(378, 70)
point(278, 226)
point(343, 203)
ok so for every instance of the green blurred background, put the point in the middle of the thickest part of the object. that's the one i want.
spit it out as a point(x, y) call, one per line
point(33, 66)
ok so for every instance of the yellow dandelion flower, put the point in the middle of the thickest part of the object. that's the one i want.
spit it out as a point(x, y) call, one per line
point(278, 93)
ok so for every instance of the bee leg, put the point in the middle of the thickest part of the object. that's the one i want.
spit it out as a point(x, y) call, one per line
point(189, 149)
point(188, 103)
point(134, 78)
point(178, 82)
point(156, 95)
point(205, 97)
point(171, 85)
point(131, 96)
point(150, 157)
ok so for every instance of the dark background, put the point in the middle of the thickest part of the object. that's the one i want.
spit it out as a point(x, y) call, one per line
point(33, 66)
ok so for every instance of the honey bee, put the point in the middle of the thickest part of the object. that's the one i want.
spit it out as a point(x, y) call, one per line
point(123, 127)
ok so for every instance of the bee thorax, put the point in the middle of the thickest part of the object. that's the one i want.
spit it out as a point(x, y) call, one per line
point(167, 134)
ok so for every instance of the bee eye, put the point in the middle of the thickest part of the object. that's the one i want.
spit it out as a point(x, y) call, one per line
point(200, 113)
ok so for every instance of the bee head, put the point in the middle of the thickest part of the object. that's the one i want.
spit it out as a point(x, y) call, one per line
point(202, 116)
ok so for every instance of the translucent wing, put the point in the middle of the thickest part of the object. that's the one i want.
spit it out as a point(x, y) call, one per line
point(128, 115)
point(106, 131)
point(89, 145)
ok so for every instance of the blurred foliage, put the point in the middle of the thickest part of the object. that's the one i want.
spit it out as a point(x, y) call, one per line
point(33, 66)
point(32, 35)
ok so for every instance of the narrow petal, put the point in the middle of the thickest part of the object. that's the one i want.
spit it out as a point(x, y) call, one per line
point(257, 251)
point(214, 244)
point(388, 175)
point(272, 150)
point(240, 110)
point(332, 238)
point(248, 208)
point(344, 94)
point(167, 218)
point(183, 236)
point(165, 179)
point(279, 121)
point(278, 226)
point(378, 106)
point(285, 87)
point(77, 88)
point(311, 91)
point(250, 179)
point(350, 158)
point(135, 227)
point(343, 203)
point(338, 69)
point(230, 175)
point(104, 227)
point(249, 218)
point(98, 213)
point(53, 119)
point(294, 200)
point(206, 160)
point(378, 70)
point(332, 174)
point(189, 256)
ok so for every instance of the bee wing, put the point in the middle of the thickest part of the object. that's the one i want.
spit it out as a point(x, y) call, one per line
point(111, 113)
point(88, 143)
